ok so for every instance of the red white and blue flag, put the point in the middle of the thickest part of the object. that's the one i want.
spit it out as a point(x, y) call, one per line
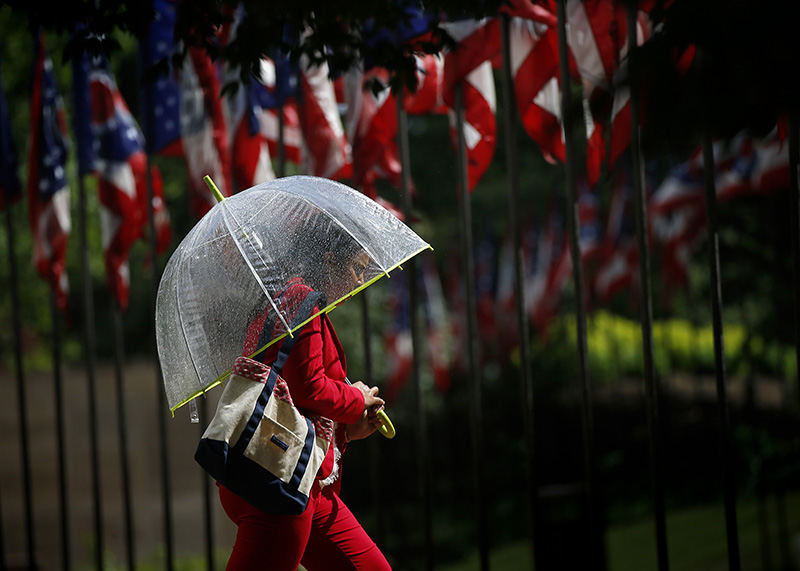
point(372, 130)
point(48, 193)
point(10, 188)
point(534, 66)
point(542, 248)
point(250, 158)
point(597, 37)
point(771, 166)
point(397, 340)
point(327, 151)
point(470, 65)
point(620, 254)
point(183, 111)
point(121, 167)
point(437, 319)
point(277, 93)
point(427, 99)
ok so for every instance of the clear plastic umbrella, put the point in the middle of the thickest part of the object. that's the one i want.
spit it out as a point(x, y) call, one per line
point(239, 258)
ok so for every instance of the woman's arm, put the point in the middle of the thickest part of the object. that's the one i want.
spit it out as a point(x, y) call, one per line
point(311, 388)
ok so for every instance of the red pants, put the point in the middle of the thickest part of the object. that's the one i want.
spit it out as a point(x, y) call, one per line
point(326, 536)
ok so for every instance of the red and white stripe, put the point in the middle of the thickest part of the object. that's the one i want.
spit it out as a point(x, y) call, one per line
point(534, 66)
point(480, 125)
point(328, 152)
point(203, 131)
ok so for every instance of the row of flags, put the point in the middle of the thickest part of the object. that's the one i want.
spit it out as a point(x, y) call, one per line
point(341, 127)
point(745, 165)
point(345, 127)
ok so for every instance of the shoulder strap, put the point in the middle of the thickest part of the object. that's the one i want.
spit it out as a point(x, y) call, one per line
point(303, 312)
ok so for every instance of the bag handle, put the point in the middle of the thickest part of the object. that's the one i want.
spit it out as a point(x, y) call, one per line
point(303, 312)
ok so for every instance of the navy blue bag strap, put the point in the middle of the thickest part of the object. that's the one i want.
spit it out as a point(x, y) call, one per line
point(303, 313)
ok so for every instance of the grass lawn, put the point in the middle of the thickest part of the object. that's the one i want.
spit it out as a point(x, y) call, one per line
point(695, 536)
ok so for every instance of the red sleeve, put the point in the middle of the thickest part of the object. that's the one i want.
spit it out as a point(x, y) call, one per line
point(311, 386)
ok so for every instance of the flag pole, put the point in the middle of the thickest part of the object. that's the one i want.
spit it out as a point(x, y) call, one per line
point(411, 266)
point(281, 143)
point(122, 428)
point(208, 519)
point(646, 295)
point(728, 484)
point(794, 192)
point(22, 406)
point(374, 445)
point(89, 354)
point(60, 431)
point(374, 448)
point(595, 533)
point(476, 409)
point(512, 164)
point(161, 403)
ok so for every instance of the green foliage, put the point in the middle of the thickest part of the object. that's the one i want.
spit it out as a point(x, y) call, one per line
point(615, 348)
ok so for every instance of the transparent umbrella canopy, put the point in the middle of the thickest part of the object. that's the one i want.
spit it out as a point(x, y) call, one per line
point(238, 259)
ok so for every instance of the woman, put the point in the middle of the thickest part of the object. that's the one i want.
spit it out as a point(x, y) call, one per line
point(326, 536)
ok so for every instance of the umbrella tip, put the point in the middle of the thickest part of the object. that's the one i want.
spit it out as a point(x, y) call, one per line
point(213, 188)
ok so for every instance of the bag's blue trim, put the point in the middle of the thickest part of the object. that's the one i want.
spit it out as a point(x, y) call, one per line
point(308, 446)
point(248, 480)
point(241, 475)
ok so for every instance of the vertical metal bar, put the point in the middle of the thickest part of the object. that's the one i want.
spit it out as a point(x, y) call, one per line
point(208, 528)
point(89, 355)
point(281, 143)
point(729, 488)
point(22, 406)
point(374, 448)
point(476, 409)
point(63, 504)
point(423, 468)
point(161, 400)
point(794, 192)
point(2, 545)
point(595, 534)
point(646, 295)
point(512, 164)
point(122, 430)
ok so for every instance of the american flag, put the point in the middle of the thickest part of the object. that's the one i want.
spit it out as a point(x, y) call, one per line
point(250, 158)
point(437, 319)
point(534, 66)
point(162, 124)
point(470, 66)
point(9, 177)
point(397, 340)
point(371, 120)
point(184, 113)
point(428, 96)
point(277, 92)
point(328, 152)
point(620, 256)
point(120, 164)
point(48, 194)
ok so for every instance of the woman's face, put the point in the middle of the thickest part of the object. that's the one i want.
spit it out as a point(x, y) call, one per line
point(357, 268)
point(342, 280)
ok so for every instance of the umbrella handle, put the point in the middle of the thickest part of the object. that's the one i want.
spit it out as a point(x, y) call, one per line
point(386, 428)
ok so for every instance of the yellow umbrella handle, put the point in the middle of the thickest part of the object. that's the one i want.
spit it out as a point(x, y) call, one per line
point(386, 428)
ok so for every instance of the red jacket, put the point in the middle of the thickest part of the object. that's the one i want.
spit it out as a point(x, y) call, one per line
point(315, 372)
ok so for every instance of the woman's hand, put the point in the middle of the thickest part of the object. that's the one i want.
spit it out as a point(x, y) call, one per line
point(366, 425)
point(369, 421)
point(371, 399)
